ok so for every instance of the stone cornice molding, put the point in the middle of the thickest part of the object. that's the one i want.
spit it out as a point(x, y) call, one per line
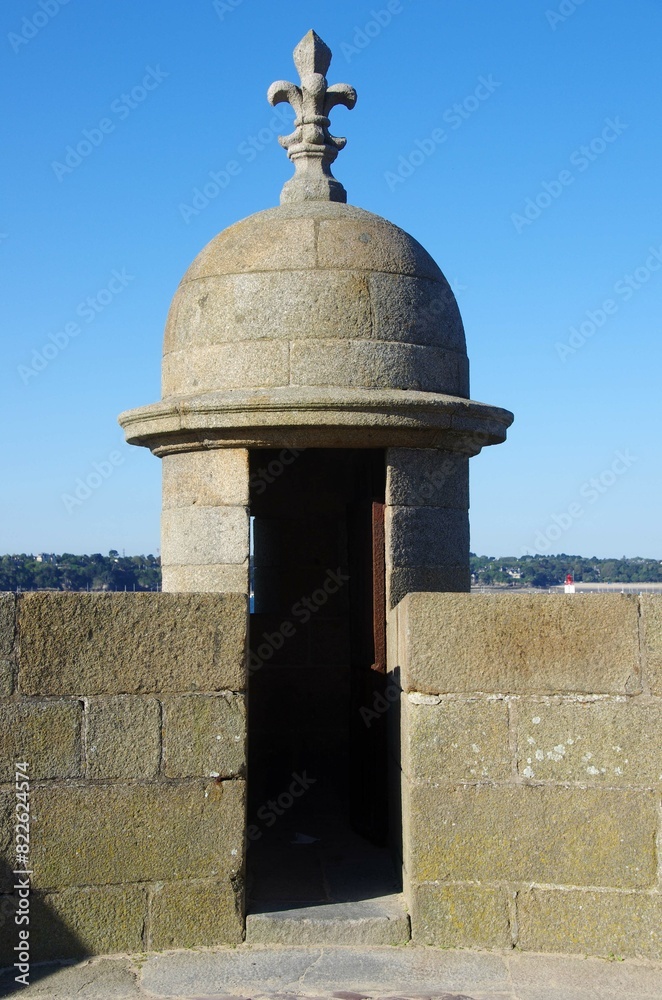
point(304, 417)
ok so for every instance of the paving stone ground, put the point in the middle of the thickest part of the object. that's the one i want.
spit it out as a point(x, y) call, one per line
point(343, 973)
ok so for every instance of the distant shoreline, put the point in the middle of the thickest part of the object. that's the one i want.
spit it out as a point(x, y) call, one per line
point(580, 588)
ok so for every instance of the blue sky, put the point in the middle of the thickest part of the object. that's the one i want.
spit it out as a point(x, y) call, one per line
point(548, 107)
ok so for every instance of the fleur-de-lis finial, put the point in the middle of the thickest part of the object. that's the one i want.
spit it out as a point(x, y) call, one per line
point(311, 147)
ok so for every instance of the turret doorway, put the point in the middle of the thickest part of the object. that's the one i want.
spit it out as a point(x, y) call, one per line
point(318, 813)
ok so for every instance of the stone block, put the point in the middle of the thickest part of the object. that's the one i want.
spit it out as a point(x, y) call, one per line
point(378, 364)
point(272, 305)
point(519, 833)
point(222, 579)
point(204, 736)
point(380, 972)
point(123, 737)
point(426, 536)
point(47, 734)
point(453, 740)
point(575, 977)
point(417, 311)
point(173, 337)
point(278, 305)
point(403, 580)
point(427, 477)
point(519, 643)
point(80, 922)
point(195, 536)
point(369, 243)
point(105, 978)
point(210, 478)
point(114, 834)
point(195, 914)
point(611, 924)
point(460, 916)
point(7, 637)
point(651, 617)
point(236, 365)
point(363, 923)
point(266, 242)
point(8, 929)
point(202, 311)
point(605, 741)
point(87, 644)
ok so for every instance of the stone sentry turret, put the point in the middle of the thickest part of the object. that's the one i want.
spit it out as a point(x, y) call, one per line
point(314, 325)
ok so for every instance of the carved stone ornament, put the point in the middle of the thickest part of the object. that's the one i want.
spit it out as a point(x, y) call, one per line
point(311, 147)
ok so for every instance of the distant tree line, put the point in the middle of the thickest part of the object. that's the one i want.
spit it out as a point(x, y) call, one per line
point(48, 571)
point(550, 571)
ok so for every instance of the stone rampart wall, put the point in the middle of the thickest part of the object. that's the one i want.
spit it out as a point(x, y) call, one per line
point(531, 753)
point(129, 711)
point(530, 759)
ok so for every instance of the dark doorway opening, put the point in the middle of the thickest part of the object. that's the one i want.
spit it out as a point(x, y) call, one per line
point(318, 758)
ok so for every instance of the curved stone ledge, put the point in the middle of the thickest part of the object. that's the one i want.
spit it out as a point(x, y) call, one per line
point(304, 417)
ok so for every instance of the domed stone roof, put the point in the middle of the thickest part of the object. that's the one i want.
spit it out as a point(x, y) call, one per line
point(314, 293)
point(315, 323)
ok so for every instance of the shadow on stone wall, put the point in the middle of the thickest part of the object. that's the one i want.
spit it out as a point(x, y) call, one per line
point(49, 939)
